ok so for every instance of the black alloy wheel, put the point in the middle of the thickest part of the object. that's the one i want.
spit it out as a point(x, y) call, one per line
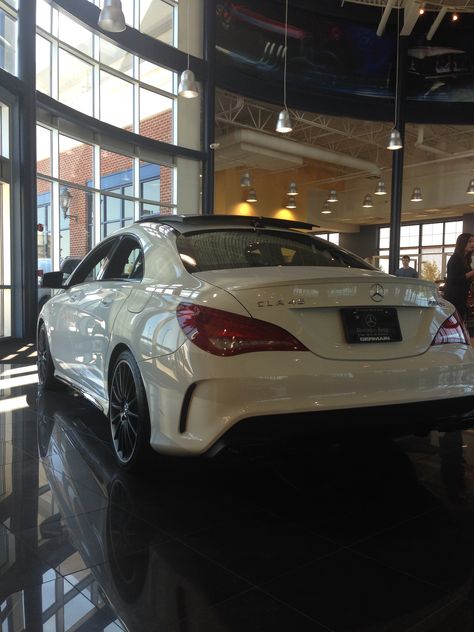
point(128, 414)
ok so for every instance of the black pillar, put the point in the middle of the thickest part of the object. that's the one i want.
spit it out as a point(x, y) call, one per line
point(397, 159)
point(209, 107)
point(27, 159)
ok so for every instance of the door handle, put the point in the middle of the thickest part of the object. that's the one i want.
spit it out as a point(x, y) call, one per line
point(106, 302)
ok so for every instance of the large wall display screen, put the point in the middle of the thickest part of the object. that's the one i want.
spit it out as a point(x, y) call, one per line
point(340, 65)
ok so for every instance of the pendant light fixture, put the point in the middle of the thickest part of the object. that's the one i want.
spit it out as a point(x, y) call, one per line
point(245, 180)
point(326, 209)
point(187, 84)
point(470, 188)
point(291, 202)
point(292, 189)
point(283, 125)
point(367, 203)
point(251, 196)
point(332, 196)
point(416, 195)
point(395, 140)
point(380, 190)
point(111, 17)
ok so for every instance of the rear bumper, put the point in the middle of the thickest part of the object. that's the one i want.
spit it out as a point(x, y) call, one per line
point(395, 420)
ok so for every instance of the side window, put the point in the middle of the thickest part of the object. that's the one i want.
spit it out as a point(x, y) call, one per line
point(126, 261)
point(91, 269)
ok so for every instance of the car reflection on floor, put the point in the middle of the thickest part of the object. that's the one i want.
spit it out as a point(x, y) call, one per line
point(272, 539)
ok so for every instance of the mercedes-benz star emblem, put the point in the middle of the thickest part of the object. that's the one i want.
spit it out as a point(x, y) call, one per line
point(377, 292)
point(370, 320)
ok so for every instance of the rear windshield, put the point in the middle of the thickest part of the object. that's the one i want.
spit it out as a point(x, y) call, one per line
point(228, 249)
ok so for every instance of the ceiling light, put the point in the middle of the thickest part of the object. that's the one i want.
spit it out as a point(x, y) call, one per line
point(380, 190)
point(111, 17)
point(251, 196)
point(292, 190)
point(332, 196)
point(291, 203)
point(245, 180)
point(470, 188)
point(395, 141)
point(284, 122)
point(454, 17)
point(416, 195)
point(367, 203)
point(187, 84)
point(325, 210)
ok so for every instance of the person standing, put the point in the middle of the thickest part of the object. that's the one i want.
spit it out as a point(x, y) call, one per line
point(406, 270)
point(459, 273)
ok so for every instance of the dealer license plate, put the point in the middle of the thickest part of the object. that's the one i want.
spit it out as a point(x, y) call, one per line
point(371, 324)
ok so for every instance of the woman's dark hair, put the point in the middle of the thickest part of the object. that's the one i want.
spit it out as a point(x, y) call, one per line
point(460, 249)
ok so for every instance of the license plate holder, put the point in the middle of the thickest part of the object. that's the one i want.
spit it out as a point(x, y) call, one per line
point(368, 325)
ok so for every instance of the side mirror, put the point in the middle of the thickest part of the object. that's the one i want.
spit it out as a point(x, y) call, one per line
point(53, 280)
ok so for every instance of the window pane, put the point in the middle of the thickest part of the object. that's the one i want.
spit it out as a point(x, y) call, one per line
point(75, 83)
point(76, 161)
point(5, 311)
point(8, 43)
point(156, 76)
point(156, 116)
point(116, 171)
point(384, 238)
point(432, 234)
point(156, 19)
point(451, 232)
point(115, 91)
point(43, 15)
point(43, 65)
point(43, 149)
point(431, 266)
point(409, 235)
point(75, 221)
point(75, 35)
point(44, 228)
point(115, 57)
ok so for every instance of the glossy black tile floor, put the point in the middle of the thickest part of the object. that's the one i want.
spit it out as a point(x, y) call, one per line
point(369, 535)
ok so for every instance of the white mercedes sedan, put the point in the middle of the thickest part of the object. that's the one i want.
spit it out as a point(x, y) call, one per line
point(192, 333)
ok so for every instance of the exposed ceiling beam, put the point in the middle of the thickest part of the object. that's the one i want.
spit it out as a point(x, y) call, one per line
point(436, 23)
point(385, 16)
point(411, 14)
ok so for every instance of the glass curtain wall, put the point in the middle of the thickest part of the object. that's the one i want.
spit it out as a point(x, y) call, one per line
point(429, 246)
point(88, 189)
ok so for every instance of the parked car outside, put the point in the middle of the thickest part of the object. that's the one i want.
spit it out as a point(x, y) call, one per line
point(193, 333)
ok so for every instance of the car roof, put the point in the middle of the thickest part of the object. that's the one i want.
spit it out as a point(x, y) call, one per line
point(191, 223)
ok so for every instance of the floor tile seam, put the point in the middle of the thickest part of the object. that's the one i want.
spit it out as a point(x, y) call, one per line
point(266, 581)
point(395, 525)
point(202, 529)
point(277, 600)
point(454, 601)
point(65, 577)
point(292, 607)
point(398, 570)
point(219, 564)
point(308, 530)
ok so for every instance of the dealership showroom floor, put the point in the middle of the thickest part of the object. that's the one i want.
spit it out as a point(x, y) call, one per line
point(358, 532)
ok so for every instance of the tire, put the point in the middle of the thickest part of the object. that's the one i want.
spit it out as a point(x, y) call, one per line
point(128, 415)
point(46, 379)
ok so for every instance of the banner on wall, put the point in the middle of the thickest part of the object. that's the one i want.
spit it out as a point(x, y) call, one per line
point(341, 66)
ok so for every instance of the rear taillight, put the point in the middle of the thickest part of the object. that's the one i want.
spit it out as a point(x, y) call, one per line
point(452, 330)
point(226, 334)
